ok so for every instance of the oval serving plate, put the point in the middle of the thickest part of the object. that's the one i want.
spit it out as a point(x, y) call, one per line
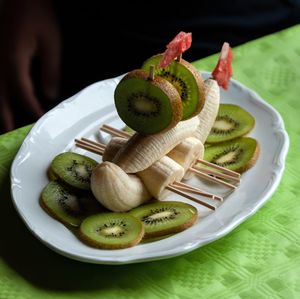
point(82, 115)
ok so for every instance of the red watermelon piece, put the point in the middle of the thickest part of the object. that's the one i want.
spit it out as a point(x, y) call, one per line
point(223, 71)
point(181, 42)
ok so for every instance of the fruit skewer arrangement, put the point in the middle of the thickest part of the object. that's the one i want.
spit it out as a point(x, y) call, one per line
point(188, 152)
point(172, 111)
point(162, 174)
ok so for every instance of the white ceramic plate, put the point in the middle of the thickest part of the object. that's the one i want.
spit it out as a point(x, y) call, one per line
point(82, 115)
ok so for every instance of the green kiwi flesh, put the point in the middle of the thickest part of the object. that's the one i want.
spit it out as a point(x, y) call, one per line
point(66, 206)
point(238, 154)
point(232, 121)
point(111, 230)
point(147, 106)
point(165, 217)
point(186, 80)
point(73, 169)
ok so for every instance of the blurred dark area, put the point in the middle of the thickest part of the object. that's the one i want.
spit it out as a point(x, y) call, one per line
point(90, 41)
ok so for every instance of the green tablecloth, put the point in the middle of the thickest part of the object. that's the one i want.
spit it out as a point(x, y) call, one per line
point(259, 259)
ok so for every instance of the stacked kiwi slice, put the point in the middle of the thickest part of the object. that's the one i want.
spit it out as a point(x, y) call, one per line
point(147, 106)
point(68, 199)
point(227, 145)
point(154, 100)
point(67, 196)
point(185, 78)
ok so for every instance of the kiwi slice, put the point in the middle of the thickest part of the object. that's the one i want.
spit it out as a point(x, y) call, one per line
point(66, 206)
point(111, 230)
point(186, 80)
point(165, 217)
point(232, 121)
point(147, 106)
point(238, 155)
point(73, 169)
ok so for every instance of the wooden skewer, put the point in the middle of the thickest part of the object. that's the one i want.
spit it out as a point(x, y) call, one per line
point(90, 148)
point(197, 172)
point(90, 143)
point(225, 170)
point(210, 178)
point(95, 143)
point(99, 150)
point(179, 58)
point(120, 133)
point(175, 190)
point(197, 190)
point(115, 132)
point(217, 174)
point(151, 72)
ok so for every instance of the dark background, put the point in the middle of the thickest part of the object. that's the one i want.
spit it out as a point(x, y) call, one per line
point(102, 41)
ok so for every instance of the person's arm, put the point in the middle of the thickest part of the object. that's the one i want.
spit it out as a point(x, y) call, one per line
point(28, 30)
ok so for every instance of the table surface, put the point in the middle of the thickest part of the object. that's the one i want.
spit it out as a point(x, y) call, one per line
point(259, 259)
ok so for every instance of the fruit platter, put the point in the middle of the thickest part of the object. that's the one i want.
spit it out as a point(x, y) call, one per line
point(151, 164)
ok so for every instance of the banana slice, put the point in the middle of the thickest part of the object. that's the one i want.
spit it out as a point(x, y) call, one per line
point(159, 175)
point(112, 148)
point(140, 151)
point(208, 114)
point(187, 153)
point(116, 190)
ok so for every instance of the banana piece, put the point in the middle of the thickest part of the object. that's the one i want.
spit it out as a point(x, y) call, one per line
point(112, 148)
point(187, 152)
point(142, 151)
point(159, 175)
point(208, 114)
point(116, 190)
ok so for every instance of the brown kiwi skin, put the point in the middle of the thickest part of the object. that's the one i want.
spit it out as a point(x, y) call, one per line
point(167, 88)
point(200, 84)
point(172, 230)
point(92, 243)
point(252, 161)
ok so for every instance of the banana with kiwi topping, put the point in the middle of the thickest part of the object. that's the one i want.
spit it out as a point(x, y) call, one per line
point(142, 151)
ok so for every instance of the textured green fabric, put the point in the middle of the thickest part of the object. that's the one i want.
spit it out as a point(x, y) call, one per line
point(259, 259)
